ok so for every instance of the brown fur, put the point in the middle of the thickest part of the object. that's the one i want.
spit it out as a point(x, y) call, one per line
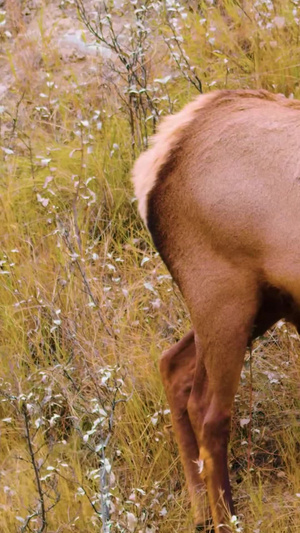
point(220, 192)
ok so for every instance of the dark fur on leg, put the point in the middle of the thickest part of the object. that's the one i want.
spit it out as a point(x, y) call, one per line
point(208, 527)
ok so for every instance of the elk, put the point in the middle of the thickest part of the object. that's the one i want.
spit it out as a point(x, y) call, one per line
point(219, 190)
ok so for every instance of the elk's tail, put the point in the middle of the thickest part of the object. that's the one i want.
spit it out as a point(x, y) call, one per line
point(168, 137)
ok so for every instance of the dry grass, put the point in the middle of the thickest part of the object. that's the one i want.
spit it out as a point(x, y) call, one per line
point(87, 306)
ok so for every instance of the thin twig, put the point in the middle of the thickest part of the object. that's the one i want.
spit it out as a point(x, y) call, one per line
point(42, 512)
point(85, 280)
point(250, 414)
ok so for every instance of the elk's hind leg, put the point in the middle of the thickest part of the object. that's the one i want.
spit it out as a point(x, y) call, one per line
point(222, 329)
point(177, 368)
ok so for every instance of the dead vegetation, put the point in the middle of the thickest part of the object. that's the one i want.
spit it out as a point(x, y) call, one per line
point(86, 304)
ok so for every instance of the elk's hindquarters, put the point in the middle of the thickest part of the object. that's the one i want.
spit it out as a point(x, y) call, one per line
point(222, 206)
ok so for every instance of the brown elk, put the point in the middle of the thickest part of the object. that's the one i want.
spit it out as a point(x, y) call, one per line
point(220, 193)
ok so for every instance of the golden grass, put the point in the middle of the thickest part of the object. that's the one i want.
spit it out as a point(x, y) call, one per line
point(87, 307)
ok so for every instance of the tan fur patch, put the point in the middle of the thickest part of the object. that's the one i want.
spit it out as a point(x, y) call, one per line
point(148, 165)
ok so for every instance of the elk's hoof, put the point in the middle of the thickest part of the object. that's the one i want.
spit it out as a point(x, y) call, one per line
point(208, 527)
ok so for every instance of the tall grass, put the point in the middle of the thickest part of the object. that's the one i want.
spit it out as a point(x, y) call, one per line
point(86, 303)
